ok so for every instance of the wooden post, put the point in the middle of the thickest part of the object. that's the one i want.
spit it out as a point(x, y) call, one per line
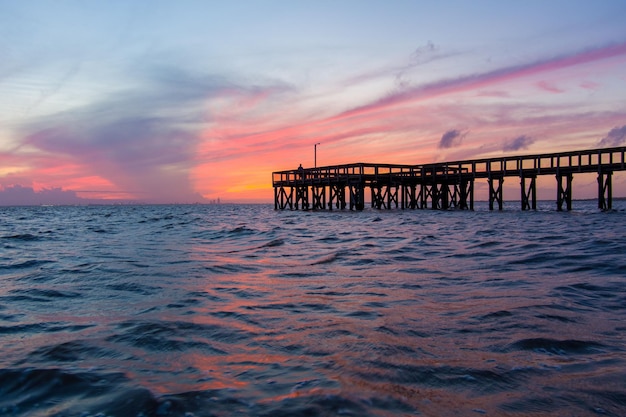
point(357, 196)
point(605, 192)
point(408, 196)
point(337, 192)
point(319, 197)
point(412, 202)
point(341, 196)
point(529, 196)
point(466, 189)
point(302, 197)
point(443, 194)
point(286, 199)
point(424, 192)
point(392, 195)
point(434, 195)
point(564, 193)
point(378, 197)
point(495, 194)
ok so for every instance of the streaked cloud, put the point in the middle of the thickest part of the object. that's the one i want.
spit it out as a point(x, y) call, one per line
point(489, 78)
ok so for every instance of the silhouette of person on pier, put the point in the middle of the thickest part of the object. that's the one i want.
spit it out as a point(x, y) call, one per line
point(301, 171)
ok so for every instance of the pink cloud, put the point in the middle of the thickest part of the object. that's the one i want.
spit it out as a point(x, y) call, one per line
point(544, 85)
point(494, 93)
point(589, 85)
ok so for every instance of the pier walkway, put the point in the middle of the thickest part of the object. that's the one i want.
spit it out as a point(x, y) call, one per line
point(443, 185)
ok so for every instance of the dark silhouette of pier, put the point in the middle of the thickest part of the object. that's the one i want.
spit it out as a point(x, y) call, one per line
point(444, 185)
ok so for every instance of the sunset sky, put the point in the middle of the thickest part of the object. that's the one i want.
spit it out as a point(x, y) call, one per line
point(190, 101)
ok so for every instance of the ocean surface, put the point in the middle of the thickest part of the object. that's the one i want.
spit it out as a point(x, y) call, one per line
point(240, 310)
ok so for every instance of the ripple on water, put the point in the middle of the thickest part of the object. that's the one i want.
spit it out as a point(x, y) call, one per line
point(558, 347)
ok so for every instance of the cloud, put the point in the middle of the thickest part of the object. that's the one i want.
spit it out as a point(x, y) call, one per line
point(424, 52)
point(18, 195)
point(421, 56)
point(544, 85)
point(520, 142)
point(451, 139)
point(615, 137)
point(142, 139)
point(589, 85)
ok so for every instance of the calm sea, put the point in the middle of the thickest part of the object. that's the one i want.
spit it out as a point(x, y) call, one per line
point(240, 310)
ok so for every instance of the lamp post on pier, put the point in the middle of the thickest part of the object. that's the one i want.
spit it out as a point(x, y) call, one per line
point(315, 155)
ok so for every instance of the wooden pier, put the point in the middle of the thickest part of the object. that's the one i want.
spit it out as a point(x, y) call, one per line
point(444, 185)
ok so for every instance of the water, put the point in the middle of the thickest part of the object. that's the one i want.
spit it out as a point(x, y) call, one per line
point(240, 310)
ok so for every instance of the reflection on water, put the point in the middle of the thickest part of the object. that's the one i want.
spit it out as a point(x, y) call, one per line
point(241, 310)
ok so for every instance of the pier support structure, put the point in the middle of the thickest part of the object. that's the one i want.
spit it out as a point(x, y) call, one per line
point(564, 191)
point(495, 191)
point(408, 198)
point(466, 191)
point(319, 197)
point(302, 197)
point(529, 195)
point(357, 196)
point(337, 194)
point(383, 196)
point(605, 192)
point(282, 199)
point(439, 197)
point(427, 191)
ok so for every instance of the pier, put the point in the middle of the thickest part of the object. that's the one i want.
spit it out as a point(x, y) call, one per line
point(444, 185)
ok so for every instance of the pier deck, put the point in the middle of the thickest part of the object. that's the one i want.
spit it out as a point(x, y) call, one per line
point(443, 185)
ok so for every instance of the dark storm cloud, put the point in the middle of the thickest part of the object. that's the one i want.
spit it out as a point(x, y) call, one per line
point(615, 137)
point(519, 143)
point(451, 139)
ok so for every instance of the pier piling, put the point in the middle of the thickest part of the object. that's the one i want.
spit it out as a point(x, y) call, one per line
point(605, 193)
point(529, 195)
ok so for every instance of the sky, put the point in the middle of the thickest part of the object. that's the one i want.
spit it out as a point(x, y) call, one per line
point(193, 101)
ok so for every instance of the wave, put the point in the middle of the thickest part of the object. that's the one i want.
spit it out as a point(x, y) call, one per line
point(558, 347)
point(31, 263)
point(26, 237)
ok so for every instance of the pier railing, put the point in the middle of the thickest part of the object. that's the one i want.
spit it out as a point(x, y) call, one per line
point(593, 160)
point(443, 184)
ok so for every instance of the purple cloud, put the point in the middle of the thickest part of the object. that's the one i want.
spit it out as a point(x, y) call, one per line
point(520, 142)
point(451, 138)
point(18, 196)
point(615, 137)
